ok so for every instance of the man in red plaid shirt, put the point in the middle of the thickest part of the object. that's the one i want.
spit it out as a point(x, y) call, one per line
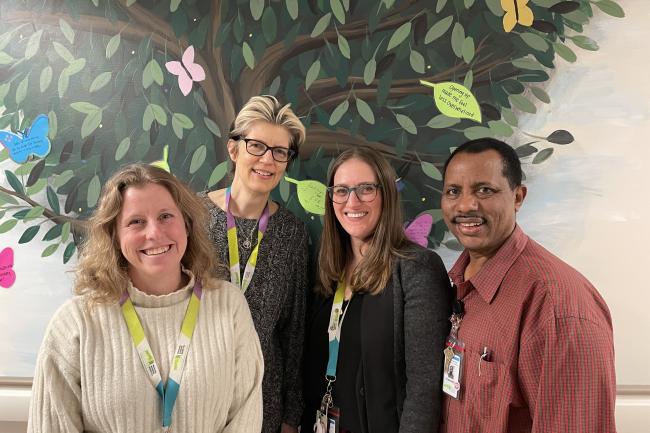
point(532, 348)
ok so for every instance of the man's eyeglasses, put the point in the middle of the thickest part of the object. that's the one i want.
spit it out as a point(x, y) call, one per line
point(364, 191)
point(259, 148)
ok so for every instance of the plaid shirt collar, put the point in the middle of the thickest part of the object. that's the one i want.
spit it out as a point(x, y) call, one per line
point(488, 279)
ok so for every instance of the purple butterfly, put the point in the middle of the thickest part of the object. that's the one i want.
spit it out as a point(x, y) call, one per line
point(187, 71)
point(419, 229)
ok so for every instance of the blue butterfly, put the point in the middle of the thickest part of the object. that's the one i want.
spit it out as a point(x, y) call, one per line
point(32, 141)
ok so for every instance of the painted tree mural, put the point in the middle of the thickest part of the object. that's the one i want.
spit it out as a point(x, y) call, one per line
point(352, 70)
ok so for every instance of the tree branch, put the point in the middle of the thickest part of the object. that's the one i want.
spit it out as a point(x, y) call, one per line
point(253, 81)
point(75, 224)
point(218, 72)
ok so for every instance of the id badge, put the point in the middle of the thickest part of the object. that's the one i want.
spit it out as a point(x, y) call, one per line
point(333, 419)
point(320, 426)
point(452, 372)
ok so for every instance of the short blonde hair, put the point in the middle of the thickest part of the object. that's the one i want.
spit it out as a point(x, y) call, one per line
point(102, 273)
point(268, 109)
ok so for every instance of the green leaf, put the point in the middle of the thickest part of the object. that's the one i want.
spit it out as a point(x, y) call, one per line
point(585, 43)
point(5, 59)
point(417, 62)
point(474, 132)
point(66, 30)
point(500, 128)
point(534, 41)
point(542, 155)
point(36, 187)
point(147, 118)
point(406, 123)
point(509, 116)
point(344, 46)
point(65, 232)
point(173, 5)
point(321, 25)
point(249, 58)
point(94, 188)
point(218, 173)
point(440, 5)
point(8, 225)
point(76, 66)
point(365, 111)
point(14, 182)
point(90, 123)
point(112, 45)
point(292, 8)
point(441, 121)
point(21, 91)
point(610, 8)
point(198, 158)
point(541, 94)
point(180, 122)
point(455, 100)
point(100, 81)
point(468, 49)
point(62, 178)
point(438, 29)
point(565, 52)
point(399, 35)
point(338, 112)
point(49, 250)
point(122, 148)
point(64, 81)
point(495, 7)
point(285, 189)
point(54, 125)
point(46, 78)
point(560, 136)
point(469, 3)
point(152, 73)
point(29, 234)
point(469, 79)
point(70, 248)
point(431, 170)
point(33, 213)
point(312, 73)
point(458, 39)
point(527, 63)
point(84, 107)
point(53, 200)
point(212, 127)
point(269, 25)
point(53, 233)
point(369, 71)
point(339, 12)
point(33, 44)
point(257, 8)
point(523, 104)
point(63, 52)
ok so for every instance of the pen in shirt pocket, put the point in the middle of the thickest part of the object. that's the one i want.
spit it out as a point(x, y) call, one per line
point(485, 356)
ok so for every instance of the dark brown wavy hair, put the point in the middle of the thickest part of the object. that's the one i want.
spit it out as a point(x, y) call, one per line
point(388, 240)
point(102, 272)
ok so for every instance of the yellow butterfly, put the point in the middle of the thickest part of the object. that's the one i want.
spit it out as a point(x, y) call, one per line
point(162, 163)
point(516, 11)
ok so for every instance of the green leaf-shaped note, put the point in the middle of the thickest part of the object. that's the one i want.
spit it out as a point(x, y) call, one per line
point(455, 100)
point(311, 195)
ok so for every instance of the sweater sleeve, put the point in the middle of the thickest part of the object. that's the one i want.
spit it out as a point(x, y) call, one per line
point(245, 413)
point(56, 391)
point(427, 305)
point(292, 334)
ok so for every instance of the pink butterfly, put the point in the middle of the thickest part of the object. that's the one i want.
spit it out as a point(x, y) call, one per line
point(418, 230)
point(188, 72)
point(7, 274)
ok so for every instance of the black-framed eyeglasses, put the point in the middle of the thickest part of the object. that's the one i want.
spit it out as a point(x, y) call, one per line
point(365, 192)
point(259, 148)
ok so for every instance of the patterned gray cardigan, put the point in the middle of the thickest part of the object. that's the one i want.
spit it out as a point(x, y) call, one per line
point(276, 298)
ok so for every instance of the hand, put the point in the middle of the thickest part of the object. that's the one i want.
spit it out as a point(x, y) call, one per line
point(286, 428)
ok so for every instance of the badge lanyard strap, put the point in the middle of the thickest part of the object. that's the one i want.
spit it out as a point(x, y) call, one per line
point(168, 392)
point(233, 248)
point(334, 337)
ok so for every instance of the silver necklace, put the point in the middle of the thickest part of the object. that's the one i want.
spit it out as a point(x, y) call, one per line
point(248, 241)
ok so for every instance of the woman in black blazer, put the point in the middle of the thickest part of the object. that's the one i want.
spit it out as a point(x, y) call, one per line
point(383, 301)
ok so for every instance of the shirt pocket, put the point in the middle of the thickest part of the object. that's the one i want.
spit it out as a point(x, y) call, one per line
point(483, 379)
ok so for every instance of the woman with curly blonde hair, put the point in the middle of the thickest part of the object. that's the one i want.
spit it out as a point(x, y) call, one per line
point(151, 329)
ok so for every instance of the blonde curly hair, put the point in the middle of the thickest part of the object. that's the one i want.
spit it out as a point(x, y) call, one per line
point(102, 272)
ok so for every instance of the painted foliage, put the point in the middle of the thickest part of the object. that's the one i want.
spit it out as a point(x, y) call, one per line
point(148, 80)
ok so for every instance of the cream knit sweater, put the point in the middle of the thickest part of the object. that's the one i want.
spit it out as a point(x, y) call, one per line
point(89, 377)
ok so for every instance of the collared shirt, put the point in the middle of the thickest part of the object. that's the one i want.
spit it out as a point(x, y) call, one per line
point(548, 334)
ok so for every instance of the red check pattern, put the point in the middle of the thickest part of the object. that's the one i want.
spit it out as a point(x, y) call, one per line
point(548, 332)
